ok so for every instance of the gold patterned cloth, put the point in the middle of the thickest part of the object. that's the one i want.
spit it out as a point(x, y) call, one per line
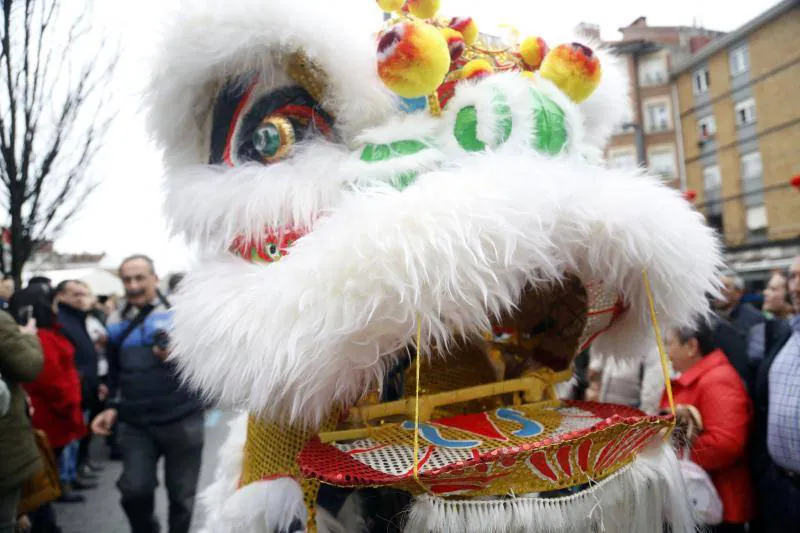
point(271, 452)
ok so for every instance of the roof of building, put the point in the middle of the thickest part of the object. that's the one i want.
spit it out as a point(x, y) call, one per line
point(633, 46)
point(722, 43)
point(641, 23)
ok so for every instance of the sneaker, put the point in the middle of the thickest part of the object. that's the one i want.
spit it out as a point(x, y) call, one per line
point(68, 496)
point(95, 467)
point(87, 473)
point(79, 484)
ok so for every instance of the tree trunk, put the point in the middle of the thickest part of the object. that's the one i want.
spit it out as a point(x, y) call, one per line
point(17, 237)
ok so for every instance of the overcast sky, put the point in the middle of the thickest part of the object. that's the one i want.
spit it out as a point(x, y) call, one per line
point(124, 215)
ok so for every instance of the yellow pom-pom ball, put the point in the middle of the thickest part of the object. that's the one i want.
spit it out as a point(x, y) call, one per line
point(574, 68)
point(424, 9)
point(455, 42)
point(390, 6)
point(466, 27)
point(413, 59)
point(533, 51)
point(477, 68)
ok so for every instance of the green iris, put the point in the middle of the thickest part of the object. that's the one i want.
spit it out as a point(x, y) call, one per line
point(273, 251)
point(267, 140)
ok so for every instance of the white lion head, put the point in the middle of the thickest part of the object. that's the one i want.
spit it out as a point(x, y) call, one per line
point(282, 143)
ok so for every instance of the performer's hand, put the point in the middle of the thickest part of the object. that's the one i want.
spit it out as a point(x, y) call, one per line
point(29, 328)
point(104, 422)
point(593, 393)
point(160, 353)
point(686, 419)
point(24, 524)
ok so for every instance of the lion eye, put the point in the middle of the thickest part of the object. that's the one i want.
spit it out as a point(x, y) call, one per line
point(273, 138)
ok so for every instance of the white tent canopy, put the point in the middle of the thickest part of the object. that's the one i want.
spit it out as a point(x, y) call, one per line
point(101, 281)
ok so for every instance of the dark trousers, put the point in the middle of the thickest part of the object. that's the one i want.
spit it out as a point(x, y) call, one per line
point(778, 501)
point(727, 528)
point(9, 501)
point(180, 443)
point(91, 407)
point(43, 520)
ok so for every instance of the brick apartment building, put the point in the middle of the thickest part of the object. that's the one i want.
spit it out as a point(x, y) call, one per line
point(739, 131)
point(650, 51)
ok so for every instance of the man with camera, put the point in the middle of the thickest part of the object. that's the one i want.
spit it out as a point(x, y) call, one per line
point(156, 416)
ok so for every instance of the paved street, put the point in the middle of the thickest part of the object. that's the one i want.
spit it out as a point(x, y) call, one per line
point(102, 513)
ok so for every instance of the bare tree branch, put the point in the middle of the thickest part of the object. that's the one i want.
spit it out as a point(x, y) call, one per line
point(10, 159)
point(52, 118)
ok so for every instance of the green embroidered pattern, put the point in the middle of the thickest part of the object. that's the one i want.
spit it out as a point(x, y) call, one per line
point(549, 135)
point(466, 130)
point(404, 180)
point(550, 132)
point(466, 126)
point(384, 152)
point(506, 124)
point(374, 153)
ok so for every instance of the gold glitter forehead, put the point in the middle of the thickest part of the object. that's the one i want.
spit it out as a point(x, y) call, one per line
point(309, 76)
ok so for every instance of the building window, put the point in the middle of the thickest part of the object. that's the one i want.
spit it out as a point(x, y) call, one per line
point(756, 220)
point(706, 127)
point(753, 179)
point(622, 158)
point(746, 112)
point(662, 161)
point(712, 184)
point(702, 81)
point(653, 71)
point(656, 116)
point(739, 61)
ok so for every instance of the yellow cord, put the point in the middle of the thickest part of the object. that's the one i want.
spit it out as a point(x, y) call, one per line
point(416, 405)
point(416, 410)
point(661, 351)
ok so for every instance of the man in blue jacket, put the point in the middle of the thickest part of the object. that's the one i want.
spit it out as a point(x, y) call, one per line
point(157, 417)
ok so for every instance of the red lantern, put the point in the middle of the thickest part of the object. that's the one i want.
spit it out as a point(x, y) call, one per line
point(690, 195)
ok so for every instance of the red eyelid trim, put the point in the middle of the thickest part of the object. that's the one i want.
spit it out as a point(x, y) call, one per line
point(305, 112)
point(234, 121)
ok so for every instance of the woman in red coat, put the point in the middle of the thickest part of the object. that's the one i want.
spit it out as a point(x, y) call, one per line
point(711, 397)
point(56, 393)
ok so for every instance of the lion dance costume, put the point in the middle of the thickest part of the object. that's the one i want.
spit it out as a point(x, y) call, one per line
point(410, 234)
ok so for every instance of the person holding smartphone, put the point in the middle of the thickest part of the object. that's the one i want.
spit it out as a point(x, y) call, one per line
point(55, 395)
point(21, 361)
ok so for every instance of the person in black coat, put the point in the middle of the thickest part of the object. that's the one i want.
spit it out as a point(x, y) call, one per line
point(741, 315)
point(731, 341)
point(73, 304)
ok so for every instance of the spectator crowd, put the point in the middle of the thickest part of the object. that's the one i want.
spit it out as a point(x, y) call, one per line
point(736, 385)
point(74, 364)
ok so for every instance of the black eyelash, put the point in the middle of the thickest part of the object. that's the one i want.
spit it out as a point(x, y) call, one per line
point(232, 97)
point(268, 105)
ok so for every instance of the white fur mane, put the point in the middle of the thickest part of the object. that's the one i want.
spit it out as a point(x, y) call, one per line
point(455, 249)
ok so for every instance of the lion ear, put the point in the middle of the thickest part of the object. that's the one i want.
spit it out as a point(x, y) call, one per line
point(310, 76)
